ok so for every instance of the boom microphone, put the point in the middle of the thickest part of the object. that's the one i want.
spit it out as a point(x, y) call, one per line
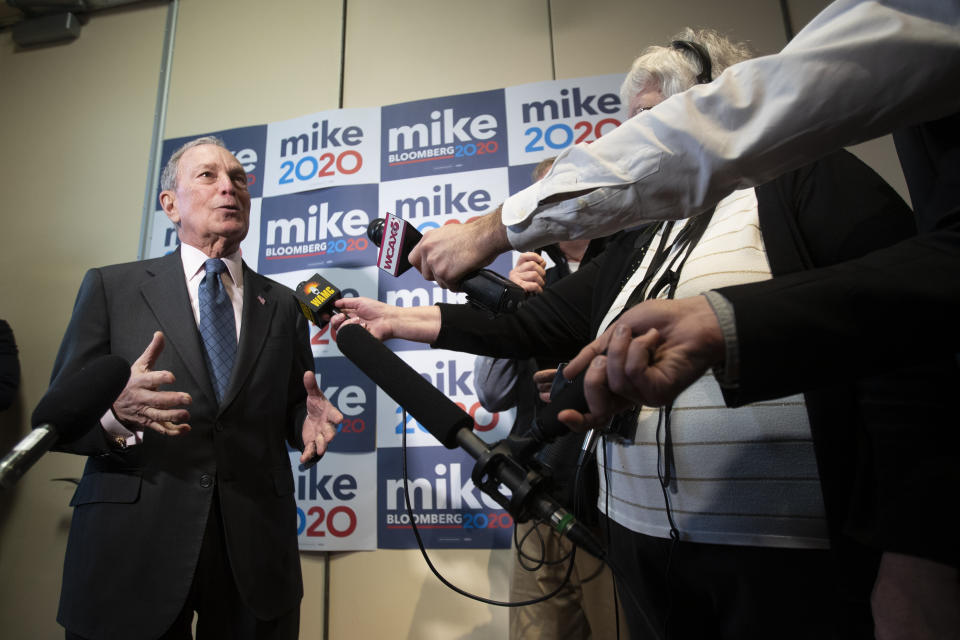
point(69, 409)
point(484, 288)
point(452, 426)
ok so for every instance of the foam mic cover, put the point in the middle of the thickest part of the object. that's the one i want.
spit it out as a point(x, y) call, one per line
point(437, 413)
point(78, 400)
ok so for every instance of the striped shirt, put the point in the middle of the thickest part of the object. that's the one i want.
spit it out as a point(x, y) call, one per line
point(745, 476)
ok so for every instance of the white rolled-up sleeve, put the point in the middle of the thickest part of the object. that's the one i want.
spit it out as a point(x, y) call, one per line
point(859, 70)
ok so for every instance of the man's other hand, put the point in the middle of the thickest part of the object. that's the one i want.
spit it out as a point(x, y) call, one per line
point(320, 426)
point(140, 404)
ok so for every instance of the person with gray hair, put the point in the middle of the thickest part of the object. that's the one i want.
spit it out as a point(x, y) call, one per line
point(695, 56)
point(186, 504)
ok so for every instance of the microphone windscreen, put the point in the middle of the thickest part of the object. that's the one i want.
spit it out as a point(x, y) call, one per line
point(77, 401)
point(437, 413)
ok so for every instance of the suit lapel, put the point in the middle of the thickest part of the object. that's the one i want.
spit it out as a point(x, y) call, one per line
point(166, 295)
point(259, 307)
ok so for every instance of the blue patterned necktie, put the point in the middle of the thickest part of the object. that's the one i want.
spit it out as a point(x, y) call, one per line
point(217, 326)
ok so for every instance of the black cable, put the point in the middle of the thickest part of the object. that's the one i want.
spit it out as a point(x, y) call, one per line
point(664, 476)
point(343, 51)
point(578, 480)
point(787, 20)
point(423, 550)
point(553, 56)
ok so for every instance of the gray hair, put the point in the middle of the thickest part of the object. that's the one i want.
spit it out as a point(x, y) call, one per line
point(168, 179)
point(674, 70)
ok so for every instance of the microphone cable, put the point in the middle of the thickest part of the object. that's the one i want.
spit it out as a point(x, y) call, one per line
point(614, 569)
point(426, 558)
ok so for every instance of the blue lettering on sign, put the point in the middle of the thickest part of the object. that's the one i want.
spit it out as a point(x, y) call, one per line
point(312, 486)
point(333, 161)
point(569, 106)
point(322, 136)
point(445, 200)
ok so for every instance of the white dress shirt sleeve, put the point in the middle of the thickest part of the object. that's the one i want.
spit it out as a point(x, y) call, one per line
point(860, 69)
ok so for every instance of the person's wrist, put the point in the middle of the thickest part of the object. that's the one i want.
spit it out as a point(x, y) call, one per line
point(494, 232)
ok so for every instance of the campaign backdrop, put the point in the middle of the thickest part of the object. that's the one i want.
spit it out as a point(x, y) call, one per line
point(316, 182)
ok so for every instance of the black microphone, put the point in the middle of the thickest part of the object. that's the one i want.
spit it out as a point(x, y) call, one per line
point(453, 427)
point(564, 394)
point(316, 297)
point(484, 288)
point(73, 405)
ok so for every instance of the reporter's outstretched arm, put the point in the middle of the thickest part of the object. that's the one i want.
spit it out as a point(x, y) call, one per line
point(384, 321)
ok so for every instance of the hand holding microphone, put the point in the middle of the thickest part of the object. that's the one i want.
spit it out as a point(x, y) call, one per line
point(530, 273)
point(449, 253)
point(453, 428)
point(317, 297)
point(399, 241)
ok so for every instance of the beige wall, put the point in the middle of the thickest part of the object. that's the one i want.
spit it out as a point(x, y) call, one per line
point(75, 125)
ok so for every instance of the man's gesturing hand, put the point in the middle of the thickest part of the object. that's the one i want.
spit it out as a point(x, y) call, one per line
point(142, 406)
point(320, 426)
point(652, 353)
point(454, 250)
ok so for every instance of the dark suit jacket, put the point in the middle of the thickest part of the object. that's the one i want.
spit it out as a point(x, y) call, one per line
point(139, 514)
point(895, 306)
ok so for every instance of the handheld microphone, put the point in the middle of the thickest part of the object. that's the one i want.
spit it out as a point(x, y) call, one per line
point(316, 297)
point(72, 406)
point(564, 394)
point(484, 288)
point(453, 427)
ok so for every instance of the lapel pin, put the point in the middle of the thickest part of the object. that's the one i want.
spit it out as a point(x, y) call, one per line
point(262, 301)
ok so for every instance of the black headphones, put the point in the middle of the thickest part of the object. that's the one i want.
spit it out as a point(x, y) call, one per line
point(706, 69)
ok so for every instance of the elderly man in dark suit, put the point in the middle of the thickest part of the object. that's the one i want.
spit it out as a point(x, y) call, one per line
point(187, 498)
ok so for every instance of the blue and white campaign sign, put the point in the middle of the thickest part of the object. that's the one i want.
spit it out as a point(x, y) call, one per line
point(323, 150)
point(544, 118)
point(354, 395)
point(248, 144)
point(316, 182)
point(336, 502)
point(443, 135)
point(447, 508)
point(314, 229)
point(431, 201)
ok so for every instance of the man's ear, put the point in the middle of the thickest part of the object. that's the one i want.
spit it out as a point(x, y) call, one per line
point(168, 202)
